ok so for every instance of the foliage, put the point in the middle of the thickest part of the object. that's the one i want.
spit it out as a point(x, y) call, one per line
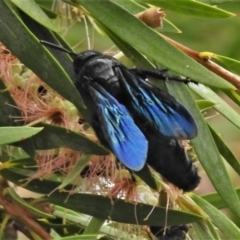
point(45, 148)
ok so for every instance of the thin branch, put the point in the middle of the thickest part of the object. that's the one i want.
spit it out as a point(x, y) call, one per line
point(220, 71)
point(17, 211)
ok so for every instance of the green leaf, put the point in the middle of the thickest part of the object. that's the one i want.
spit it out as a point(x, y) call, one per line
point(211, 160)
point(229, 63)
point(49, 13)
point(7, 109)
point(107, 229)
point(216, 200)
point(146, 175)
point(104, 207)
point(28, 146)
point(218, 218)
point(13, 153)
point(213, 230)
point(226, 152)
point(21, 163)
point(221, 106)
point(77, 169)
point(134, 8)
point(82, 237)
point(131, 6)
point(190, 7)
point(55, 137)
point(117, 210)
point(38, 213)
point(36, 185)
point(205, 104)
point(135, 33)
point(168, 27)
point(15, 134)
point(8, 112)
point(94, 225)
point(202, 231)
point(216, 2)
point(34, 55)
point(35, 12)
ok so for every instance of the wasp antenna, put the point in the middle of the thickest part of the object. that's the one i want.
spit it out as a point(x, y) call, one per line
point(52, 45)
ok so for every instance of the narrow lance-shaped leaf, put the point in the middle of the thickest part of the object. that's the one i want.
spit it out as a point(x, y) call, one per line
point(73, 216)
point(119, 209)
point(134, 8)
point(15, 134)
point(205, 104)
point(34, 11)
point(7, 110)
point(82, 237)
point(202, 231)
point(221, 106)
point(114, 209)
point(233, 95)
point(75, 172)
point(210, 159)
point(55, 137)
point(8, 114)
point(22, 43)
point(229, 63)
point(216, 2)
point(226, 152)
point(216, 200)
point(27, 205)
point(94, 225)
point(218, 218)
point(190, 7)
point(14, 154)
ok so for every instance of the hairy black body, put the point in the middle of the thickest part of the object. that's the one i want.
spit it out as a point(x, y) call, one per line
point(137, 121)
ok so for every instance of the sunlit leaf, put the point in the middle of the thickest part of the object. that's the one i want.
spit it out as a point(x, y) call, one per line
point(205, 104)
point(221, 106)
point(226, 152)
point(35, 12)
point(216, 200)
point(219, 219)
point(190, 7)
point(39, 60)
point(75, 171)
point(229, 63)
point(133, 7)
point(211, 159)
point(114, 209)
point(38, 213)
point(55, 137)
point(202, 231)
point(15, 134)
point(213, 2)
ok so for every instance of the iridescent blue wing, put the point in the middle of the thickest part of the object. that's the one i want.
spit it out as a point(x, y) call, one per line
point(120, 132)
point(161, 111)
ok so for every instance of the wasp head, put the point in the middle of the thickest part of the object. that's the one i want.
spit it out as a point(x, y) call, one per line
point(82, 58)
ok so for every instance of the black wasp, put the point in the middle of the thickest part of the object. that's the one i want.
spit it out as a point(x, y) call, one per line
point(170, 233)
point(136, 120)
